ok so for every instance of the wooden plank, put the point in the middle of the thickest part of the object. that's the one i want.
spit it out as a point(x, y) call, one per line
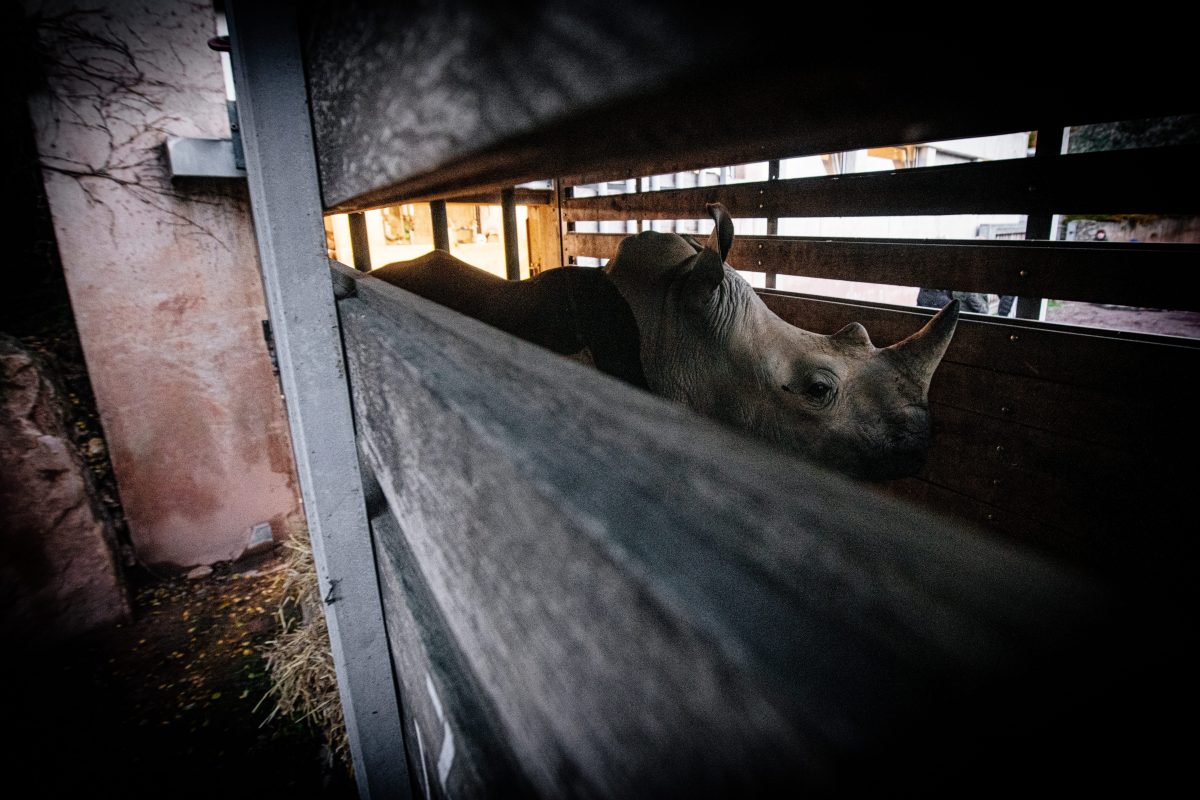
point(1041, 225)
point(522, 196)
point(1108, 509)
point(1069, 483)
point(454, 737)
point(1096, 360)
point(444, 98)
point(1123, 423)
point(1066, 495)
point(285, 200)
point(1001, 523)
point(1126, 274)
point(1158, 180)
point(441, 225)
point(545, 239)
point(772, 222)
point(508, 213)
point(1093, 477)
point(360, 247)
point(653, 604)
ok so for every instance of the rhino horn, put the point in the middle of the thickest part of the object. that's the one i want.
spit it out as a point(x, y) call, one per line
point(708, 269)
point(922, 352)
point(853, 335)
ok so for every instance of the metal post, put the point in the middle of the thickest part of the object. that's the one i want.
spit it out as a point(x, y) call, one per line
point(359, 243)
point(508, 213)
point(285, 200)
point(772, 220)
point(441, 225)
point(1041, 226)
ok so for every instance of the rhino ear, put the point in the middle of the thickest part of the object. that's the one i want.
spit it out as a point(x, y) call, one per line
point(721, 239)
point(708, 268)
point(922, 352)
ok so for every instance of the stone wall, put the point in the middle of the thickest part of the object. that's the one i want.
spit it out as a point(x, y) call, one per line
point(58, 574)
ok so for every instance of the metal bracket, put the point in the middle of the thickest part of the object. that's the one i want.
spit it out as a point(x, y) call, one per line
point(235, 130)
point(204, 158)
point(269, 338)
point(209, 158)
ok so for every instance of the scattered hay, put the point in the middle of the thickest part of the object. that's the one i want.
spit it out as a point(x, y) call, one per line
point(300, 660)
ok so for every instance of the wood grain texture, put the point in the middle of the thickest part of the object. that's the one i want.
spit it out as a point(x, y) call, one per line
point(1157, 180)
point(545, 239)
point(1058, 426)
point(1128, 274)
point(438, 691)
point(1060, 353)
point(399, 90)
point(425, 100)
point(653, 605)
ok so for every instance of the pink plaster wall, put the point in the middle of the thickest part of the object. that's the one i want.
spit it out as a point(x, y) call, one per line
point(163, 279)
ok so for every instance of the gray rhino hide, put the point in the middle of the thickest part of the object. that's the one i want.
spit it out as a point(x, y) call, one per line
point(700, 335)
point(709, 341)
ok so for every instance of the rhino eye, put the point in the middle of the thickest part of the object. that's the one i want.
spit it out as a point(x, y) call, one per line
point(817, 391)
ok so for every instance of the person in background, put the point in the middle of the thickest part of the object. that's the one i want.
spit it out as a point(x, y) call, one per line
point(975, 302)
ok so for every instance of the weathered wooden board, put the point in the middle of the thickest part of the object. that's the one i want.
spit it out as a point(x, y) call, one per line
point(1129, 424)
point(1075, 487)
point(1157, 180)
point(999, 522)
point(653, 605)
point(439, 695)
point(1059, 353)
point(1061, 427)
point(545, 238)
point(1129, 274)
point(412, 102)
point(1119, 513)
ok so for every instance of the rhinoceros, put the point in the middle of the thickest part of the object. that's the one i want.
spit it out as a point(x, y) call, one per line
point(670, 315)
point(568, 310)
point(710, 342)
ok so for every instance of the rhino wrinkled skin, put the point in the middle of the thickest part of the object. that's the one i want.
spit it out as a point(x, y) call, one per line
point(704, 338)
point(709, 341)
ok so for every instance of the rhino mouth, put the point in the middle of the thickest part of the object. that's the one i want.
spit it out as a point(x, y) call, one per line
point(885, 462)
point(902, 452)
point(897, 462)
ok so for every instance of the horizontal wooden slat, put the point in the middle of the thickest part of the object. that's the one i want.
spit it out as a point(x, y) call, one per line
point(442, 98)
point(522, 196)
point(1126, 423)
point(649, 604)
point(438, 691)
point(1062, 427)
point(1069, 483)
point(1158, 180)
point(1128, 367)
point(1127, 274)
point(1099, 506)
point(1002, 523)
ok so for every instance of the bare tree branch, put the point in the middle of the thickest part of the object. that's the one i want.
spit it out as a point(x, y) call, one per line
point(97, 82)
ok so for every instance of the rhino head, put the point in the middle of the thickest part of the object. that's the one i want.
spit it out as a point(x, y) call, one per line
point(709, 341)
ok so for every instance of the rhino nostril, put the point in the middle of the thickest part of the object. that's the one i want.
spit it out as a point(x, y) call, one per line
point(908, 422)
